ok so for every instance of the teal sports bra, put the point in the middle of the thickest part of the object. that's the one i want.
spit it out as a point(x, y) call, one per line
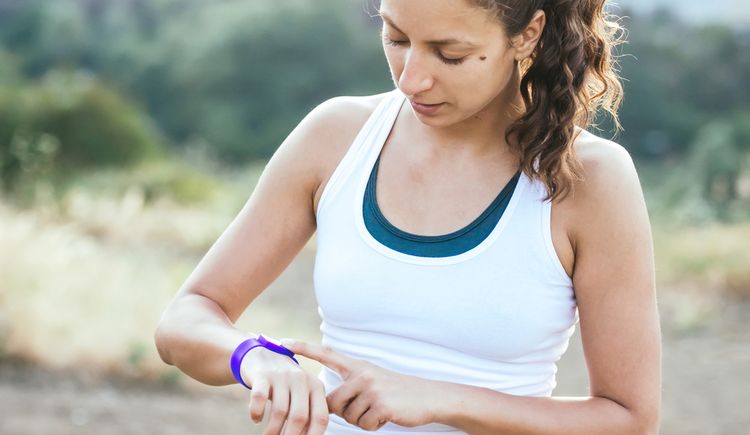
point(444, 245)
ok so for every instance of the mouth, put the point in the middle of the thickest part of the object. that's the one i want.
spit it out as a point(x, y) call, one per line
point(425, 109)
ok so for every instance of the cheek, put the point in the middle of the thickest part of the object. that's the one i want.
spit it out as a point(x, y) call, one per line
point(474, 75)
point(395, 61)
point(491, 74)
point(480, 82)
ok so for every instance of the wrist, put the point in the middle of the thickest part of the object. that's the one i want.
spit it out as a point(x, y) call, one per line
point(438, 397)
point(456, 406)
point(256, 358)
point(243, 358)
point(434, 395)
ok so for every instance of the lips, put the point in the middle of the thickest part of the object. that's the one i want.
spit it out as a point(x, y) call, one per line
point(425, 104)
point(425, 109)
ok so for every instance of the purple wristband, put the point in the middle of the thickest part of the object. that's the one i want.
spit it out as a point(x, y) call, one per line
point(244, 347)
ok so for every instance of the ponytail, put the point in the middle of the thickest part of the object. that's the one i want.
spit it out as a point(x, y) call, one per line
point(568, 77)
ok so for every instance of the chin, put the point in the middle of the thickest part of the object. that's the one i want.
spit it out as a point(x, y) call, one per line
point(432, 121)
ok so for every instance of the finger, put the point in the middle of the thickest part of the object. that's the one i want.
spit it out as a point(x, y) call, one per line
point(279, 408)
point(372, 420)
point(299, 409)
point(322, 354)
point(354, 410)
point(318, 409)
point(339, 398)
point(258, 400)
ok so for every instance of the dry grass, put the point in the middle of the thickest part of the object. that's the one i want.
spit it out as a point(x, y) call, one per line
point(711, 256)
point(86, 273)
point(70, 300)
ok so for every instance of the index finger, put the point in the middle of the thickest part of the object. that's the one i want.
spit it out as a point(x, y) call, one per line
point(324, 355)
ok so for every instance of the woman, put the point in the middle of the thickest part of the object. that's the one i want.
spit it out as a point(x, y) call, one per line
point(442, 313)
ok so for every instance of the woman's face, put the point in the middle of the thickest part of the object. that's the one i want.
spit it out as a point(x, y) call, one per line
point(449, 52)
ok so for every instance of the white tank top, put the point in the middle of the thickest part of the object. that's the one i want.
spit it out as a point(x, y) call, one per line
point(497, 316)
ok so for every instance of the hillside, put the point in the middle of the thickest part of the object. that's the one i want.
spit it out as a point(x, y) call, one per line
point(733, 12)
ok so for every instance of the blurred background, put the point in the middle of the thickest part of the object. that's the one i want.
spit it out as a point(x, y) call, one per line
point(133, 131)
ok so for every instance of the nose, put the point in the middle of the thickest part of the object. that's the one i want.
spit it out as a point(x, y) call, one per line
point(416, 76)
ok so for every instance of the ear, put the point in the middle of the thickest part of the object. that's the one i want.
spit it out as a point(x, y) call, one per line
point(525, 42)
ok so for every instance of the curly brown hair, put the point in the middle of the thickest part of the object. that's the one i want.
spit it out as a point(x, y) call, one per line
point(570, 75)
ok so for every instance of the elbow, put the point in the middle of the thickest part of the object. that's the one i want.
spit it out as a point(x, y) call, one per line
point(171, 335)
point(647, 422)
point(651, 427)
point(647, 429)
point(164, 339)
point(642, 418)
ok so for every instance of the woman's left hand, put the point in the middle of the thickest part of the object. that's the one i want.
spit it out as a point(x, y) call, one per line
point(371, 396)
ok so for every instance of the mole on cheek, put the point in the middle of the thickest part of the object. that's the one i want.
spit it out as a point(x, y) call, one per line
point(482, 57)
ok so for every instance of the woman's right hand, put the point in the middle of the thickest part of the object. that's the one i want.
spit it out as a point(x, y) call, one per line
point(298, 399)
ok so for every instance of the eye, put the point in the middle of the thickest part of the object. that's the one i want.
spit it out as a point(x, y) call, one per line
point(390, 41)
point(449, 60)
point(440, 56)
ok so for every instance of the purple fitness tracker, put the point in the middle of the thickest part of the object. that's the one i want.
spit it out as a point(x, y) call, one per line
point(251, 343)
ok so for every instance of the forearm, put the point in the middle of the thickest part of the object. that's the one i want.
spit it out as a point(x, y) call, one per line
point(195, 335)
point(479, 411)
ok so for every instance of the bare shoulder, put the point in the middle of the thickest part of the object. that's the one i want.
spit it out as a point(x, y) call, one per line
point(345, 112)
point(324, 133)
point(340, 118)
point(610, 194)
point(609, 174)
point(336, 123)
point(605, 163)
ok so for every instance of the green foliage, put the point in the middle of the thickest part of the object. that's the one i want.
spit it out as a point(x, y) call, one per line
point(237, 74)
point(95, 125)
point(69, 121)
point(254, 71)
point(241, 74)
point(137, 352)
point(171, 377)
point(718, 159)
point(712, 182)
point(10, 69)
point(679, 78)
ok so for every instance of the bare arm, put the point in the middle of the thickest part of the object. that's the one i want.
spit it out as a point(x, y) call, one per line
point(615, 290)
point(196, 332)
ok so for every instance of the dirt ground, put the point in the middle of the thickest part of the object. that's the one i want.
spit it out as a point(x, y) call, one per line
point(706, 358)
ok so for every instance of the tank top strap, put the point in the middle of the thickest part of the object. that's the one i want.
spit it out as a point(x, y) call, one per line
point(368, 138)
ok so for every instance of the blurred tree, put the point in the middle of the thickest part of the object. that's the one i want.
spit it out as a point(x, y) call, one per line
point(10, 69)
point(235, 73)
point(677, 79)
point(253, 71)
point(718, 159)
point(74, 121)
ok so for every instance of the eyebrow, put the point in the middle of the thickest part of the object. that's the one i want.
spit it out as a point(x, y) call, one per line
point(438, 42)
